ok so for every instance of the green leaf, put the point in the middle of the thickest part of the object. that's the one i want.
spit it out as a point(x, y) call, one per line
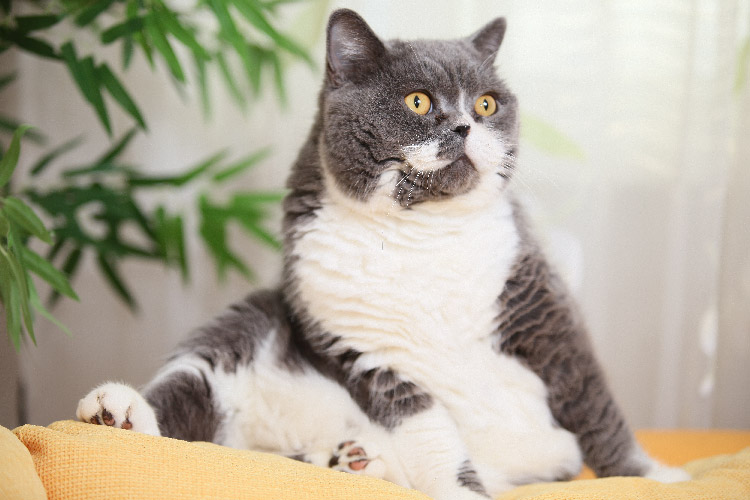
point(39, 307)
point(116, 90)
point(88, 69)
point(226, 73)
point(42, 268)
point(229, 32)
point(171, 236)
point(255, 198)
point(84, 74)
point(69, 268)
point(549, 139)
point(168, 22)
point(9, 295)
point(242, 165)
point(278, 78)
point(20, 214)
point(43, 162)
point(4, 226)
point(92, 12)
point(10, 158)
point(252, 58)
point(110, 272)
point(25, 24)
point(33, 45)
point(132, 11)
point(161, 44)
point(261, 234)
point(21, 279)
point(11, 125)
point(112, 153)
point(127, 52)
point(213, 231)
point(255, 16)
point(200, 67)
point(124, 29)
point(182, 179)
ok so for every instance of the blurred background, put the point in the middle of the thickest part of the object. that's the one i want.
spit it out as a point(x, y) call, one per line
point(635, 165)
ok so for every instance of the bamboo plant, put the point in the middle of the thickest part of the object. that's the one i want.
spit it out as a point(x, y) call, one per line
point(245, 37)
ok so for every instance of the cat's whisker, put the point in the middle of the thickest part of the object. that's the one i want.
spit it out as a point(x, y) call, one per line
point(411, 190)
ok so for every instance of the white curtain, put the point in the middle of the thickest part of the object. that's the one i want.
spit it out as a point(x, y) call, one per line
point(651, 223)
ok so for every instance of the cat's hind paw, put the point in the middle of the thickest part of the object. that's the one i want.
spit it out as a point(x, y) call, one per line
point(118, 405)
point(350, 456)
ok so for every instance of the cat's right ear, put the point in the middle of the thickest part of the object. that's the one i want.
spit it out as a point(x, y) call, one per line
point(487, 40)
point(353, 49)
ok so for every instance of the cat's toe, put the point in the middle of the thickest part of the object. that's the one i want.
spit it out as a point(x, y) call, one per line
point(350, 456)
point(118, 405)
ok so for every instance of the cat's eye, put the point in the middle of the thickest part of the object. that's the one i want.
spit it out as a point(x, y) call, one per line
point(419, 102)
point(485, 105)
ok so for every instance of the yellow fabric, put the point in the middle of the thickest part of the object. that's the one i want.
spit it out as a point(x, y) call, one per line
point(18, 479)
point(78, 461)
point(725, 477)
point(82, 461)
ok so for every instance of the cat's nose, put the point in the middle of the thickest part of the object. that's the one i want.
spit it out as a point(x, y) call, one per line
point(462, 130)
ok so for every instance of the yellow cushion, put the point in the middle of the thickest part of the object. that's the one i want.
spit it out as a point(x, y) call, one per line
point(82, 461)
point(77, 461)
point(18, 478)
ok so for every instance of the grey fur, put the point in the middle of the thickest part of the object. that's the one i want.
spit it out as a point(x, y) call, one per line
point(386, 398)
point(231, 338)
point(468, 478)
point(185, 408)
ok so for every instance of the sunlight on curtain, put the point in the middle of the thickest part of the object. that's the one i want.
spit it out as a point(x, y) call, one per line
point(651, 226)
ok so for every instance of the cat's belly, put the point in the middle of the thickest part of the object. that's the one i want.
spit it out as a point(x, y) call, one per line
point(419, 293)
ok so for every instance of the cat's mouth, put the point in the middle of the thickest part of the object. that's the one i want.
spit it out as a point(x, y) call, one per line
point(417, 186)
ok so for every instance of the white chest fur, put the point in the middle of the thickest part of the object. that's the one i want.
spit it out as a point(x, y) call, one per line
point(406, 279)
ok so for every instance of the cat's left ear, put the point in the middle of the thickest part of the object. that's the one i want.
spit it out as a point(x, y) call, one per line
point(353, 49)
point(487, 40)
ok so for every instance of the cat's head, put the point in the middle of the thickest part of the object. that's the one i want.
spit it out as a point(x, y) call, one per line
point(415, 121)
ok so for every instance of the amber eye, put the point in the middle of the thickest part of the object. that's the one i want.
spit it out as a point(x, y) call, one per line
point(485, 105)
point(419, 102)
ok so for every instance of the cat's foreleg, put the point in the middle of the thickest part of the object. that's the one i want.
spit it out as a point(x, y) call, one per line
point(425, 439)
point(435, 458)
point(177, 403)
point(559, 352)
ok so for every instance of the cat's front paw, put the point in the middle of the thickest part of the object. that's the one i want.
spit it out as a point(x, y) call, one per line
point(118, 405)
point(350, 456)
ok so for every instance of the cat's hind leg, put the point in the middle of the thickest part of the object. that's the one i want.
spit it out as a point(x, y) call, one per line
point(118, 405)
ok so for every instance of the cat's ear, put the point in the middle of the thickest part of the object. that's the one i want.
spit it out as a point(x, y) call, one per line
point(353, 50)
point(487, 40)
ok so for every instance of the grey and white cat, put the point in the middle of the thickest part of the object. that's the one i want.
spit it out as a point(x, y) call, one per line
point(418, 334)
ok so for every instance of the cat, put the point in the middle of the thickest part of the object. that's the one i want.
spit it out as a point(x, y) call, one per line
point(418, 333)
